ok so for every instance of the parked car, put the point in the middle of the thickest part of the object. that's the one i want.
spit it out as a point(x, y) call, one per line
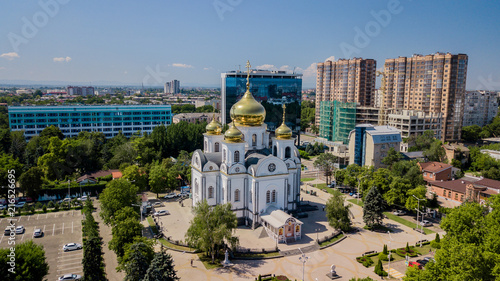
point(20, 229)
point(70, 277)
point(65, 200)
point(20, 204)
point(399, 212)
point(423, 262)
point(171, 195)
point(3, 207)
point(72, 247)
point(157, 204)
point(415, 264)
point(429, 259)
point(425, 223)
point(356, 195)
point(161, 213)
point(7, 230)
point(37, 233)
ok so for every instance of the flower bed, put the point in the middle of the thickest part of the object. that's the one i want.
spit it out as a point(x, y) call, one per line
point(412, 252)
point(366, 261)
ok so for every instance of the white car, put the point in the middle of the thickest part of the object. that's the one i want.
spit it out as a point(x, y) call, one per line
point(425, 223)
point(84, 198)
point(170, 196)
point(37, 233)
point(71, 247)
point(161, 213)
point(157, 204)
point(356, 195)
point(70, 277)
point(20, 229)
point(399, 212)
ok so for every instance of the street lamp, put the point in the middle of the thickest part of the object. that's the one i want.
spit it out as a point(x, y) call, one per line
point(317, 230)
point(389, 255)
point(303, 259)
point(422, 227)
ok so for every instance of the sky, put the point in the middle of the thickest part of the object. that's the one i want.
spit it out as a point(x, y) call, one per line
point(155, 41)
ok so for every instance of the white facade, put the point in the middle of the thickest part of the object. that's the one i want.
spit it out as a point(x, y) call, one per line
point(255, 178)
point(480, 107)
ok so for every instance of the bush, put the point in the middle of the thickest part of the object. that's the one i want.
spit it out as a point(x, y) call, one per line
point(383, 257)
point(304, 155)
point(365, 261)
point(44, 208)
point(32, 210)
point(38, 205)
point(379, 269)
point(435, 244)
point(51, 204)
point(437, 239)
point(56, 206)
point(402, 252)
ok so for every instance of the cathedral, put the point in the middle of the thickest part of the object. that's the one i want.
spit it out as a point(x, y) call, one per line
point(258, 176)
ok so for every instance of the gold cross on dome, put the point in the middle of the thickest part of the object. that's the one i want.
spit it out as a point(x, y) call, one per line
point(248, 75)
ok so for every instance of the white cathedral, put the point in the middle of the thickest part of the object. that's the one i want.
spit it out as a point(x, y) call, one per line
point(260, 181)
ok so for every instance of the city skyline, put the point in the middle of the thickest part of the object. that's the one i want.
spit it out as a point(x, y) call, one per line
point(132, 43)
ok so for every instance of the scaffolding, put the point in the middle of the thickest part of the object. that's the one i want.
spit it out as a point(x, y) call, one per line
point(337, 119)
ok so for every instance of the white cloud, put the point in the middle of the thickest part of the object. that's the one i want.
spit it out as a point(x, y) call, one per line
point(9, 56)
point(182, 65)
point(62, 59)
point(266, 67)
point(208, 68)
point(332, 58)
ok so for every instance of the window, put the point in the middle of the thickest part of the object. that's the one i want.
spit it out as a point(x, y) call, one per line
point(462, 197)
point(274, 196)
point(449, 194)
point(216, 147)
point(456, 196)
point(268, 197)
point(254, 140)
point(275, 151)
point(236, 156)
point(237, 195)
point(196, 186)
point(444, 192)
point(224, 155)
point(206, 146)
point(210, 192)
point(288, 152)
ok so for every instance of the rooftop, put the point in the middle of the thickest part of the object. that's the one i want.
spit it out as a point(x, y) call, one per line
point(454, 185)
point(434, 167)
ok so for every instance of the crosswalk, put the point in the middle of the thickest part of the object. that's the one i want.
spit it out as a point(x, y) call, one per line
point(396, 274)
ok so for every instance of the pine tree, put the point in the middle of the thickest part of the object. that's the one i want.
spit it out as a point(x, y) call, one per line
point(385, 250)
point(161, 268)
point(407, 248)
point(373, 208)
point(437, 238)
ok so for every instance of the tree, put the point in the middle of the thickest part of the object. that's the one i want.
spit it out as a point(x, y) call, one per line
point(18, 145)
point(373, 208)
point(137, 175)
point(392, 157)
point(435, 152)
point(137, 263)
point(412, 202)
point(325, 162)
point(338, 214)
point(30, 263)
point(471, 133)
point(158, 177)
point(52, 131)
point(212, 227)
point(117, 194)
point(93, 261)
point(397, 192)
point(124, 232)
point(31, 182)
point(161, 268)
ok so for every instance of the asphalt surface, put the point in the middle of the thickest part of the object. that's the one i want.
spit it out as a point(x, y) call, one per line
point(59, 229)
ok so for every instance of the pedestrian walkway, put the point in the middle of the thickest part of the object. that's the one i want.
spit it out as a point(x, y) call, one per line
point(304, 250)
point(396, 274)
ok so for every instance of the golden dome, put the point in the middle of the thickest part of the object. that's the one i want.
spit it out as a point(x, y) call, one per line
point(283, 132)
point(247, 111)
point(233, 134)
point(214, 127)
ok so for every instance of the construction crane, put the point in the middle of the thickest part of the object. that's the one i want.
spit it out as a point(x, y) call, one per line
point(381, 115)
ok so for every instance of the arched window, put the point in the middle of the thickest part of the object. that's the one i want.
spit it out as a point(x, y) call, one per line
point(237, 195)
point(210, 192)
point(224, 155)
point(236, 156)
point(254, 140)
point(196, 186)
point(268, 197)
point(275, 151)
point(274, 196)
point(288, 152)
point(206, 146)
point(216, 147)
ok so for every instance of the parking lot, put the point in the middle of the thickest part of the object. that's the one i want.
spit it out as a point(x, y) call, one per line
point(59, 229)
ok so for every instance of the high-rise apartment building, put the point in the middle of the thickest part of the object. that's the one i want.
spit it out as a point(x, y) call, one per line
point(480, 107)
point(271, 88)
point(172, 87)
point(347, 81)
point(80, 91)
point(432, 83)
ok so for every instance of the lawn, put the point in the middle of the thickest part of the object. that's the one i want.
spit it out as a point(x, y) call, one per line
point(258, 255)
point(355, 201)
point(307, 179)
point(405, 222)
point(173, 246)
point(207, 261)
point(328, 242)
point(152, 225)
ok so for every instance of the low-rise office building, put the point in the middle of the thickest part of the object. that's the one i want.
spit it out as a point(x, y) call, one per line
point(108, 119)
point(368, 144)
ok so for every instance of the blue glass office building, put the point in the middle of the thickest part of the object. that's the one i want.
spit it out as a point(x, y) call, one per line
point(271, 88)
point(108, 119)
